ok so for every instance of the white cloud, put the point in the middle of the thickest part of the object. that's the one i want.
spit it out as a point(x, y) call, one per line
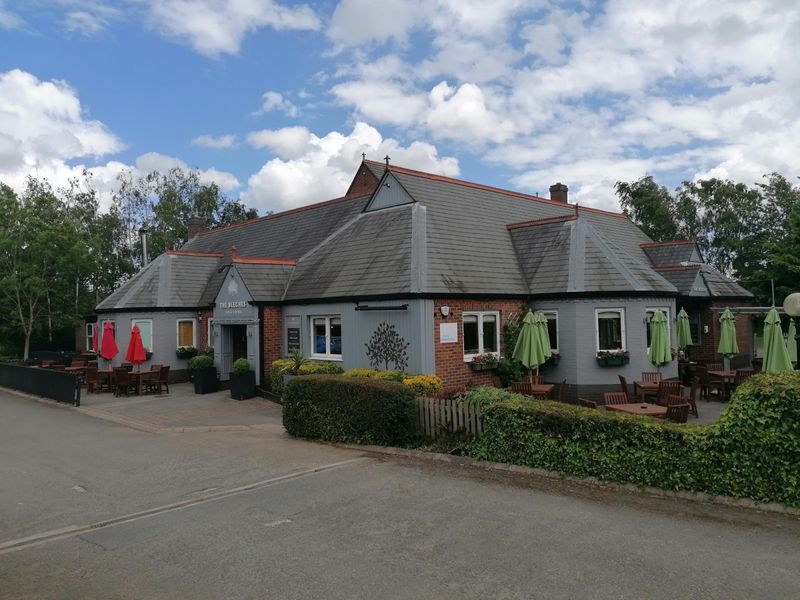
point(289, 142)
point(9, 20)
point(216, 142)
point(154, 161)
point(321, 168)
point(356, 22)
point(213, 27)
point(275, 101)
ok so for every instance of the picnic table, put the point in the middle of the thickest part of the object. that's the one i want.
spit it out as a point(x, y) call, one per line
point(640, 408)
point(646, 388)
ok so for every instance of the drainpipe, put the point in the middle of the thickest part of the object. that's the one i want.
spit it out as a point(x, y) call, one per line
point(143, 236)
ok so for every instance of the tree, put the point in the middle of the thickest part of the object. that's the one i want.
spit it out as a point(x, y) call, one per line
point(387, 346)
point(650, 206)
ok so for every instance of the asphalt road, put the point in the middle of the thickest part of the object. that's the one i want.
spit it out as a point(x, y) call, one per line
point(90, 509)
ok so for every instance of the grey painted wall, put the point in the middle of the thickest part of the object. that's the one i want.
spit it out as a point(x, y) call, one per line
point(578, 345)
point(414, 325)
point(165, 336)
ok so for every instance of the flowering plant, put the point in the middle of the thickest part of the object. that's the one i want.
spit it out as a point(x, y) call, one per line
point(612, 353)
point(485, 359)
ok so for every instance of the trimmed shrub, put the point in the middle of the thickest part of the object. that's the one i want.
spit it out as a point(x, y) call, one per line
point(279, 367)
point(396, 376)
point(454, 391)
point(425, 385)
point(201, 361)
point(360, 373)
point(485, 396)
point(349, 409)
point(752, 451)
point(241, 365)
point(509, 370)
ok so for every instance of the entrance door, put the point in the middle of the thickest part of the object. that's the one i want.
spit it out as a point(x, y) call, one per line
point(239, 339)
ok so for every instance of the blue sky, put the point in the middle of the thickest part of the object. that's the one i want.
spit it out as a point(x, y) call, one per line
point(276, 101)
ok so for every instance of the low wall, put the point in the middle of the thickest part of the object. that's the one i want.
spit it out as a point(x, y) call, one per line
point(55, 385)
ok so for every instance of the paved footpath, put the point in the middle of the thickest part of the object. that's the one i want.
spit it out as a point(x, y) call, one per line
point(93, 509)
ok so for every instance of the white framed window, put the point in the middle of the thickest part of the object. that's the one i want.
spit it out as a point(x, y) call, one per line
point(552, 328)
point(146, 329)
point(90, 336)
point(610, 329)
point(648, 315)
point(326, 337)
point(481, 333)
point(186, 330)
point(210, 333)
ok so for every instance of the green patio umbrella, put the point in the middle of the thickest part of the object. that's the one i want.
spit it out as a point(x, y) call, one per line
point(727, 335)
point(543, 334)
point(684, 333)
point(530, 349)
point(791, 341)
point(776, 356)
point(660, 352)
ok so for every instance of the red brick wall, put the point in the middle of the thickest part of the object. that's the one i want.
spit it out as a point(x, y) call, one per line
point(707, 350)
point(363, 183)
point(273, 342)
point(449, 358)
point(205, 315)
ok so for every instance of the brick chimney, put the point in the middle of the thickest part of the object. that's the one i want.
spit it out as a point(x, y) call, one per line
point(558, 193)
point(195, 225)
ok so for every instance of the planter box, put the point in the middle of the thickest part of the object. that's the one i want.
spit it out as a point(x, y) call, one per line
point(205, 380)
point(613, 361)
point(483, 367)
point(243, 385)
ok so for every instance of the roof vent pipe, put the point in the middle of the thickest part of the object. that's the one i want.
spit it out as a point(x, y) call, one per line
point(143, 238)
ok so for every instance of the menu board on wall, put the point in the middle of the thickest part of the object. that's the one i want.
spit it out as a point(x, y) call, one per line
point(292, 338)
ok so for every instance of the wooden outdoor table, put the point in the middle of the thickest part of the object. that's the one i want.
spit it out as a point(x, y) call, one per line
point(74, 369)
point(542, 389)
point(646, 388)
point(727, 378)
point(723, 374)
point(139, 377)
point(639, 408)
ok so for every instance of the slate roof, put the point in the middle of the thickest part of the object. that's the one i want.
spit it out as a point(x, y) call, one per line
point(572, 255)
point(172, 280)
point(452, 237)
point(702, 281)
point(663, 254)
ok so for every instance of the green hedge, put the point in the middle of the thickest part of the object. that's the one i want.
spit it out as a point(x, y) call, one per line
point(752, 451)
point(346, 409)
point(309, 368)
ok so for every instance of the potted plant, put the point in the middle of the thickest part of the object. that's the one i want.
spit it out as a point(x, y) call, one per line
point(204, 374)
point(186, 352)
point(613, 358)
point(484, 362)
point(243, 380)
point(292, 370)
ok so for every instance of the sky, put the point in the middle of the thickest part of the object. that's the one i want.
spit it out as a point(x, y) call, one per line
point(276, 101)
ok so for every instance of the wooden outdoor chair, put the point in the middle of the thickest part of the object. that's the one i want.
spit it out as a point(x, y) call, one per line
point(537, 379)
point(587, 403)
point(122, 381)
point(678, 413)
point(676, 399)
point(127, 366)
point(561, 389)
point(742, 375)
point(615, 398)
point(78, 363)
point(624, 385)
point(163, 379)
point(693, 394)
point(92, 380)
point(665, 388)
point(155, 368)
point(651, 376)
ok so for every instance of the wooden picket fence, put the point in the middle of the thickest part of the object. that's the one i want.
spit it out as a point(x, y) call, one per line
point(437, 416)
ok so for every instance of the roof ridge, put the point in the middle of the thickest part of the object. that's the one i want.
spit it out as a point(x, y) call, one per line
point(489, 188)
point(193, 253)
point(667, 243)
point(284, 213)
point(244, 260)
point(678, 267)
point(546, 221)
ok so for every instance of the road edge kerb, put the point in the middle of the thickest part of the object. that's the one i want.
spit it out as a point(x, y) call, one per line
point(699, 497)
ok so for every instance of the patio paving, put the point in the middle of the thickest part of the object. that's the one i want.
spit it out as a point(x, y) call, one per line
point(182, 410)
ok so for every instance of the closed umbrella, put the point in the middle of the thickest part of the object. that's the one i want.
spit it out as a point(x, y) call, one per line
point(108, 349)
point(543, 334)
point(684, 333)
point(660, 352)
point(727, 335)
point(135, 353)
point(776, 356)
point(529, 349)
point(791, 341)
point(94, 339)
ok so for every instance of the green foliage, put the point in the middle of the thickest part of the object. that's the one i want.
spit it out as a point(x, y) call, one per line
point(397, 376)
point(650, 206)
point(201, 361)
point(241, 365)
point(753, 451)
point(186, 352)
point(511, 331)
point(296, 362)
point(282, 366)
point(348, 409)
point(509, 370)
point(207, 351)
point(425, 385)
point(485, 396)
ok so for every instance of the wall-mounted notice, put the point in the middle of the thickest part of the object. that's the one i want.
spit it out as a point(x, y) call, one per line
point(448, 333)
point(292, 338)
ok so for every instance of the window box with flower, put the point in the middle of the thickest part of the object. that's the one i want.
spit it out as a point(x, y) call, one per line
point(613, 358)
point(484, 362)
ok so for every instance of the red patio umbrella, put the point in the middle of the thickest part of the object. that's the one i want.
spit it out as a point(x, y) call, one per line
point(135, 353)
point(109, 348)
